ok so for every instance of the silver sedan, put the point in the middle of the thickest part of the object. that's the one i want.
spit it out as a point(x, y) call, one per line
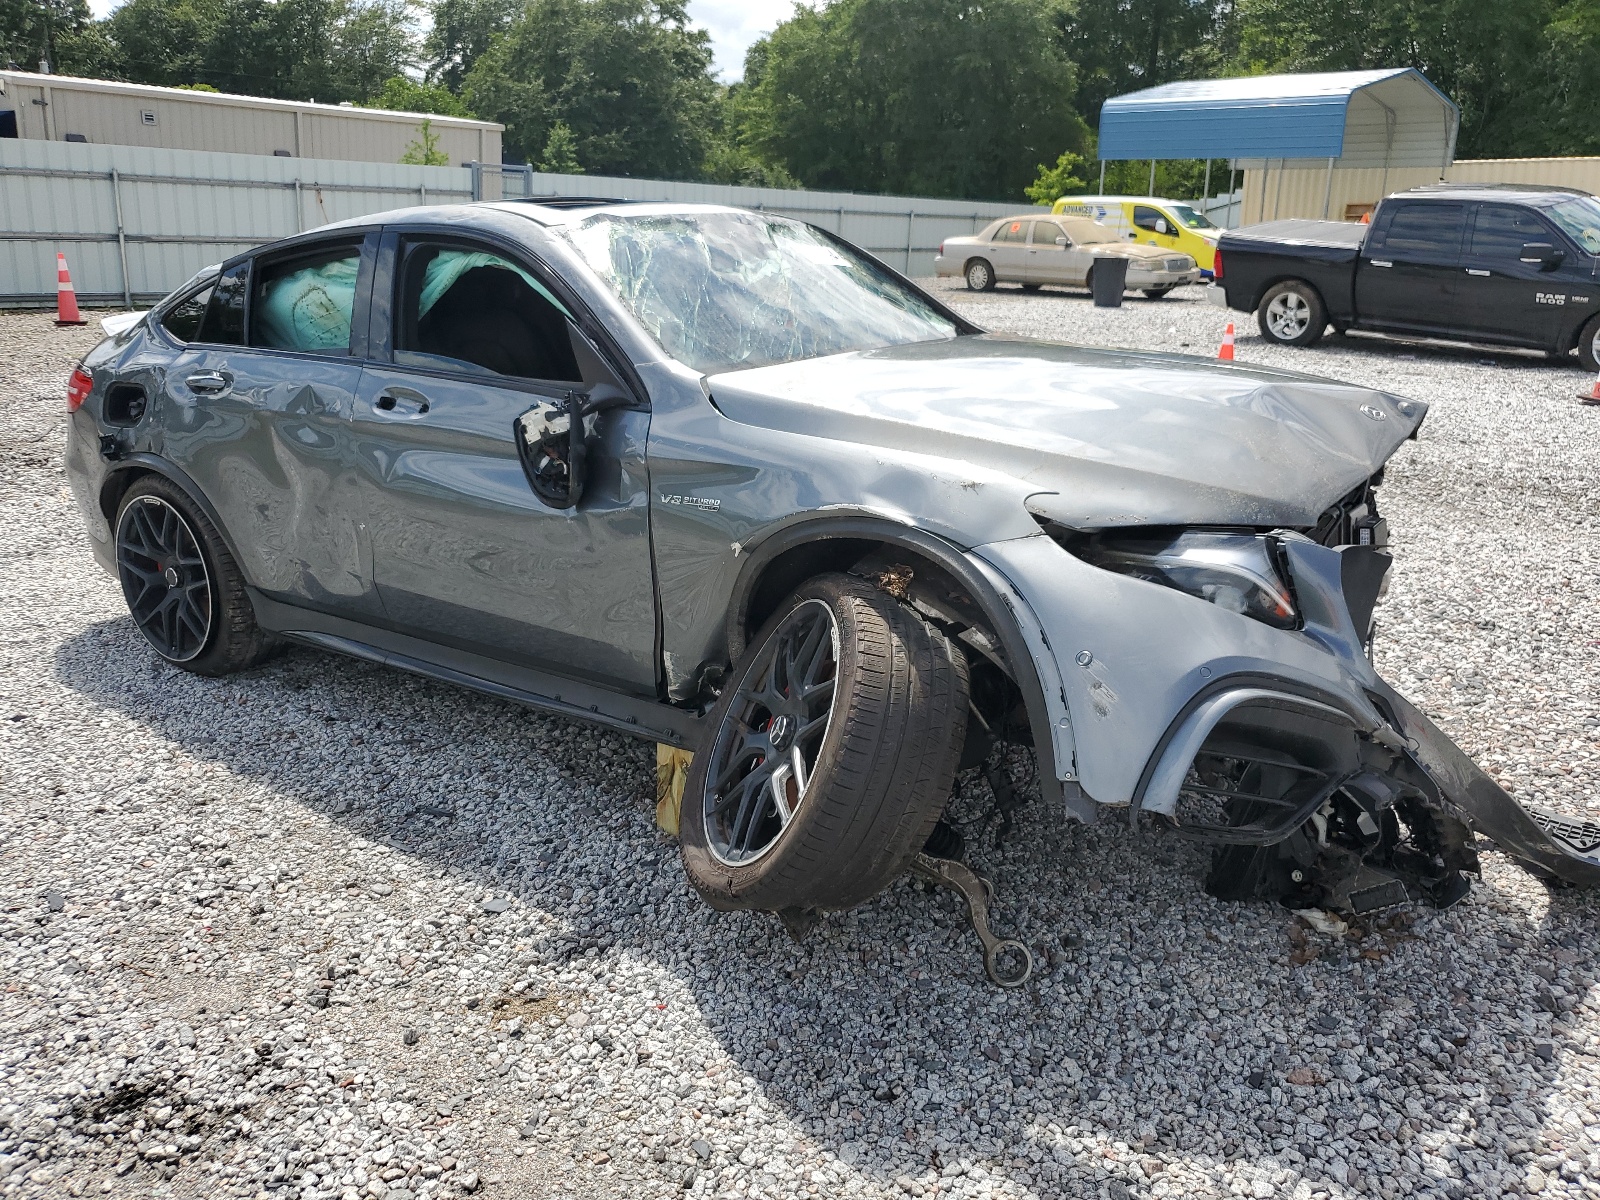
point(1034, 250)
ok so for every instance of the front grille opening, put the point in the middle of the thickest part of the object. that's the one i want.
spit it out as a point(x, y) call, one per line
point(1261, 772)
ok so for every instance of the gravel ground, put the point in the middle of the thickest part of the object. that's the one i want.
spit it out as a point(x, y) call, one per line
point(325, 930)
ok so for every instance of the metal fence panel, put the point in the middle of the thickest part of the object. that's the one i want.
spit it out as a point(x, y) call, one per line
point(178, 210)
point(136, 221)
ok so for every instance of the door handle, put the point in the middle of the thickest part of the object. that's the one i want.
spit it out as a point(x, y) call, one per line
point(1475, 271)
point(1378, 262)
point(402, 402)
point(209, 383)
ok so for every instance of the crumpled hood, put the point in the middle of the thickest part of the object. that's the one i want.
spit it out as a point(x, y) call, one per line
point(1102, 437)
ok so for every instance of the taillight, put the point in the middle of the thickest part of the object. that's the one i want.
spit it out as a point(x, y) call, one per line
point(78, 389)
point(941, 249)
point(1216, 264)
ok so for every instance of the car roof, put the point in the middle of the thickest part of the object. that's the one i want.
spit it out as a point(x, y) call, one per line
point(566, 210)
point(1517, 192)
point(1125, 199)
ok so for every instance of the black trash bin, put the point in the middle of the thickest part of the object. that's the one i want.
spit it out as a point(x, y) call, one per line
point(1109, 279)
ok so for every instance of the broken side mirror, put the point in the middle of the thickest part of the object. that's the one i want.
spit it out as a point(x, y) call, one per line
point(553, 449)
point(1542, 255)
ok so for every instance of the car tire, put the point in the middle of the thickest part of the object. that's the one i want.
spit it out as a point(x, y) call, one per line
point(1292, 314)
point(863, 802)
point(980, 275)
point(183, 588)
point(1157, 293)
point(1589, 345)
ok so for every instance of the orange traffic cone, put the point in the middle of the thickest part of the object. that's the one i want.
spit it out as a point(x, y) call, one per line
point(1593, 396)
point(66, 298)
point(1225, 352)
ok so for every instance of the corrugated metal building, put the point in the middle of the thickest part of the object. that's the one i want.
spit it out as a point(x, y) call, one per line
point(1293, 191)
point(57, 108)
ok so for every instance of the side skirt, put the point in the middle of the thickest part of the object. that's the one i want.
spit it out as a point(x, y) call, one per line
point(547, 692)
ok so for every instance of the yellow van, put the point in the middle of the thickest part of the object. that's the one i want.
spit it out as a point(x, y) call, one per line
point(1169, 224)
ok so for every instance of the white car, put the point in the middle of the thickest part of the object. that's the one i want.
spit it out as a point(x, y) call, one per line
point(1035, 249)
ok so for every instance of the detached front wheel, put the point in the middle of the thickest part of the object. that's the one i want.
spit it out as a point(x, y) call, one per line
point(830, 754)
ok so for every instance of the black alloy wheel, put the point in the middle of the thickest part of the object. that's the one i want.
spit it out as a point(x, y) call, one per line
point(766, 750)
point(829, 755)
point(184, 590)
point(164, 578)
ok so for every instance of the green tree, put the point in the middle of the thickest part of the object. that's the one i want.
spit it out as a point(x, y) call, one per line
point(372, 43)
point(404, 94)
point(560, 155)
point(1494, 60)
point(928, 97)
point(461, 31)
point(424, 151)
point(164, 41)
point(1063, 179)
point(60, 32)
point(328, 50)
point(1570, 75)
point(630, 78)
point(1125, 45)
point(1176, 178)
point(730, 155)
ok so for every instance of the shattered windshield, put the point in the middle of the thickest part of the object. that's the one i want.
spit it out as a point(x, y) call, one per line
point(725, 290)
point(1579, 217)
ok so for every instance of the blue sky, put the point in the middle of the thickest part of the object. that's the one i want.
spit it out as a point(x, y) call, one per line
point(734, 24)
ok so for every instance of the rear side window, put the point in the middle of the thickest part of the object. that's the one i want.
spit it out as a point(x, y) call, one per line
point(223, 324)
point(306, 303)
point(1501, 231)
point(1012, 231)
point(1426, 230)
point(465, 308)
point(183, 318)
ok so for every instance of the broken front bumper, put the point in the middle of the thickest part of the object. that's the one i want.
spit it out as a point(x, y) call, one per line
point(1148, 689)
point(1546, 844)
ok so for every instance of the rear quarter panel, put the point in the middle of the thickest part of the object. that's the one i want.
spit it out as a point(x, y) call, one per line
point(1254, 260)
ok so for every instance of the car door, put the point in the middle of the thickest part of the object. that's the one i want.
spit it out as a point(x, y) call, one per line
point(1008, 251)
point(1410, 265)
point(1505, 293)
point(1047, 261)
point(262, 399)
point(471, 338)
point(1152, 227)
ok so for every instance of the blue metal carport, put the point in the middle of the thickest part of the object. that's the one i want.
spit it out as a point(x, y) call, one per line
point(1388, 118)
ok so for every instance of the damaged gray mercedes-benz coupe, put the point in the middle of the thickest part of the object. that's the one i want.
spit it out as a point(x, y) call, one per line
point(720, 480)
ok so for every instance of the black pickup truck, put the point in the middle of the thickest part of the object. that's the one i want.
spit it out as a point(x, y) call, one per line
point(1503, 264)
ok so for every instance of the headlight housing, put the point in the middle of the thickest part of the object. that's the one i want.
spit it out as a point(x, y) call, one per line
point(1236, 571)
